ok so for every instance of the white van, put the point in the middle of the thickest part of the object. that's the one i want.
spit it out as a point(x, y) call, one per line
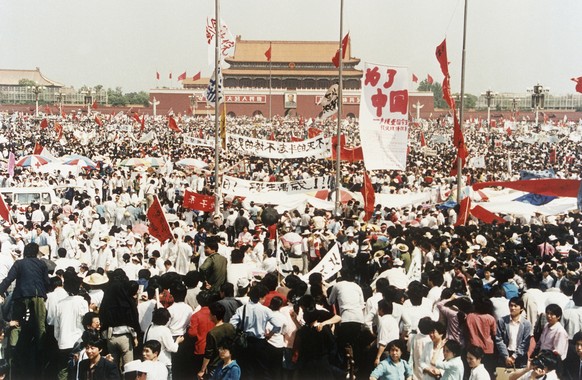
point(24, 196)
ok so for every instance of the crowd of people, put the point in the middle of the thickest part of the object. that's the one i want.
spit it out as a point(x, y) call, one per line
point(90, 294)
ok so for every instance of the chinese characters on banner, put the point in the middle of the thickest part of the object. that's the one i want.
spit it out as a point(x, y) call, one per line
point(195, 201)
point(189, 140)
point(384, 117)
point(243, 187)
point(227, 41)
point(317, 147)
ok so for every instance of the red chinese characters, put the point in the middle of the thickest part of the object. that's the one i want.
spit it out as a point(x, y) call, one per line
point(396, 98)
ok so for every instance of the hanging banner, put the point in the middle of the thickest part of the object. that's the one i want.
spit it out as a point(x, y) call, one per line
point(189, 140)
point(242, 187)
point(384, 117)
point(317, 147)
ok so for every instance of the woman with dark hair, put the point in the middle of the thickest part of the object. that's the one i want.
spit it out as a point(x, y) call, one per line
point(481, 329)
point(151, 352)
point(96, 366)
point(452, 367)
point(433, 351)
point(160, 332)
point(229, 370)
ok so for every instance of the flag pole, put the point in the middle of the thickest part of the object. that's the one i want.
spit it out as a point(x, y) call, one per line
point(270, 83)
point(461, 126)
point(217, 145)
point(339, 115)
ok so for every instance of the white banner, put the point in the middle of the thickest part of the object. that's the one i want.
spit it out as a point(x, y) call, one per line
point(329, 265)
point(189, 140)
point(317, 147)
point(384, 117)
point(242, 187)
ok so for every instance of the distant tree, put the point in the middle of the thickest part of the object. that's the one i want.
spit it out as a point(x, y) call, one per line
point(26, 82)
point(437, 92)
point(116, 97)
point(470, 101)
point(141, 97)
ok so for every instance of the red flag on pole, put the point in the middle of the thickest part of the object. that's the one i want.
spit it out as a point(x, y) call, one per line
point(157, 75)
point(98, 121)
point(94, 105)
point(345, 41)
point(197, 76)
point(43, 123)
point(486, 216)
point(182, 76)
point(195, 201)
point(312, 132)
point(369, 196)
point(578, 84)
point(135, 117)
point(159, 227)
point(422, 139)
point(553, 156)
point(268, 53)
point(59, 130)
point(414, 78)
point(429, 79)
point(441, 55)
point(4, 212)
point(464, 211)
point(170, 76)
point(172, 125)
point(37, 148)
point(142, 123)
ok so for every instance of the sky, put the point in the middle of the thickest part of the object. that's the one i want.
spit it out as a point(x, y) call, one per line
point(511, 45)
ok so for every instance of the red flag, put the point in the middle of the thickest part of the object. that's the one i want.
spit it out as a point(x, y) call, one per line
point(63, 115)
point(296, 139)
point(159, 227)
point(429, 79)
point(441, 54)
point(335, 58)
point(268, 53)
point(422, 139)
point(182, 76)
point(94, 105)
point(369, 196)
point(272, 136)
point(197, 76)
point(414, 78)
point(59, 130)
point(508, 130)
point(312, 132)
point(349, 154)
point(4, 212)
point(142, 123)
point(578, 84)
point(195, 201)
point(342, 141)
point(172, 125)
point(157, 75)
point(464, 211)
point(98, 121)
point(170, 76)
point(486, 216)
point(135, 117)
point(43, 123)
point(553, 156)
point(37, 148)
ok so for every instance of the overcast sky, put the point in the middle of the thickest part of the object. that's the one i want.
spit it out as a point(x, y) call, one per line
point(511, 44)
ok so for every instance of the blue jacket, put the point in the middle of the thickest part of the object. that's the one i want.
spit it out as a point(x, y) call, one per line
point(31, 275)
point(523, 337)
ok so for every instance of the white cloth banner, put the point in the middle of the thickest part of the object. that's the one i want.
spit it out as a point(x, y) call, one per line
point(328, 266)
point(243, 187)
point(317, 147)
point(189, 140)
point(384, 117)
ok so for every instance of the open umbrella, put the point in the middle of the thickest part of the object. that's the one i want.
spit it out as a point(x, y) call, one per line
point(32, 160)
point(79, 160)
point(134, 162)
point(154, 161)
point(192, 163)
point(345, 195)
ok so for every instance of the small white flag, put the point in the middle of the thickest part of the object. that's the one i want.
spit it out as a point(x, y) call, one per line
point(330, 101)
point(212, 89)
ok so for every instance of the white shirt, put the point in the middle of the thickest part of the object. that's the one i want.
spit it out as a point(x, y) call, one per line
point(479, 373)
point(52, 300)
point(387, 330)
point(163, 335)
point(68, 321)
point(350, 300)
point(180, 314)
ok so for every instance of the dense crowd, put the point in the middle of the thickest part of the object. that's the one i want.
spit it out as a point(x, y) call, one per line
point(90, 294)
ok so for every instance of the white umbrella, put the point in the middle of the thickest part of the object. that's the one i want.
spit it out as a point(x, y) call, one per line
point(192, 163)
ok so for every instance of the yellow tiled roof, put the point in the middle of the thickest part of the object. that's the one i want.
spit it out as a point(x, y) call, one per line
point(291, 72)
point(9, 77)
point(288, 51)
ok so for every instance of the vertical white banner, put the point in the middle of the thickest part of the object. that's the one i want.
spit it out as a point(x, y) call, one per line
point(384, 116)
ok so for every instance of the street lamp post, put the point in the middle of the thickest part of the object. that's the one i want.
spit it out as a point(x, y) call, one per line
point(514, 108)
point(489, 95)
point(60, 98)
point(538, 94)
point(36, 90)
point(193, 104)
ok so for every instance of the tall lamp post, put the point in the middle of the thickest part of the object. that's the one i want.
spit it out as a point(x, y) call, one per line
point(36, 90)
point(60, 98)
point(514, 108)
point(193, 104)
point(489, 95)
point(538, 94)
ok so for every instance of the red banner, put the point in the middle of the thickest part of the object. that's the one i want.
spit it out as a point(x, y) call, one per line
point(464, 211)
point(369, 196)
point(195, 201)
point(159, 227)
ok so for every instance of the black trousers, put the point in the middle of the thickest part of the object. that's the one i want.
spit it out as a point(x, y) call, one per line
point(254, 361)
